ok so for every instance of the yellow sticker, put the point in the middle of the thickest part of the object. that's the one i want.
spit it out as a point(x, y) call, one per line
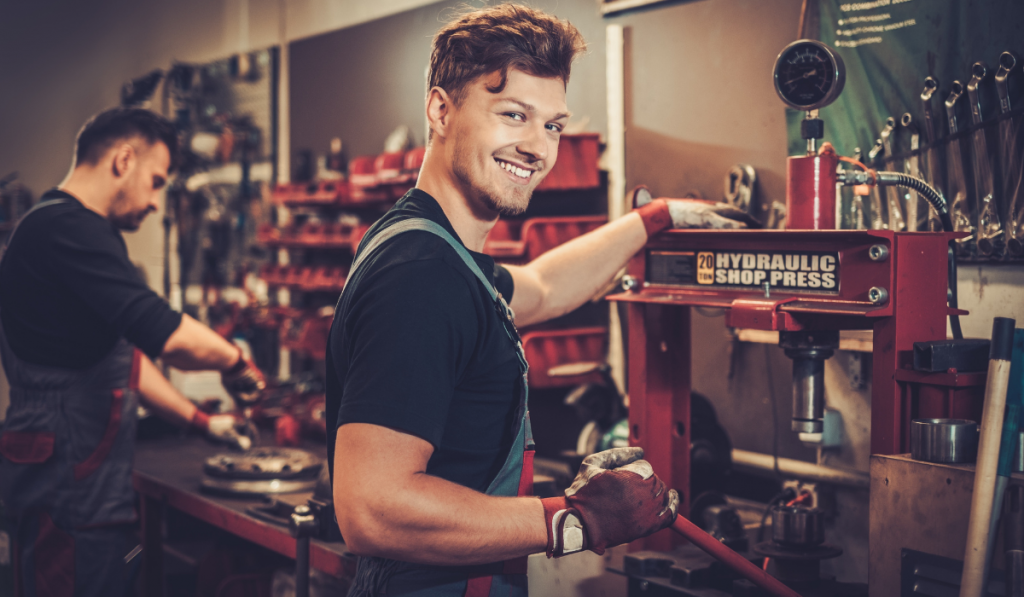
point(705, 268)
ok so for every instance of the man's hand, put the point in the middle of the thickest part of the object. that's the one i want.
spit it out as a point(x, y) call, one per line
point(615, 498)
point(244, 381)
point(224, 428)
point(661, 214)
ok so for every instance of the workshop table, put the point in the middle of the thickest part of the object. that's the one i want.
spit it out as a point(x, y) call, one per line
point(168, 472)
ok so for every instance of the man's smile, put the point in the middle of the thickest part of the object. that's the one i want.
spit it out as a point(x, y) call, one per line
point(516, 173)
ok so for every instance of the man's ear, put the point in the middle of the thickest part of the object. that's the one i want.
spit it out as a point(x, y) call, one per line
point(439, 111)
point(124, 159)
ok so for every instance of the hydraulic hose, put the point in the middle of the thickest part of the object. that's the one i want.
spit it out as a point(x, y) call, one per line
point(937, 201)
point(740, 564)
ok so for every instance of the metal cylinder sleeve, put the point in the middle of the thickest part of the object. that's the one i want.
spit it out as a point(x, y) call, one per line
point(809, 350)
point(944, 440)
point(797, 526)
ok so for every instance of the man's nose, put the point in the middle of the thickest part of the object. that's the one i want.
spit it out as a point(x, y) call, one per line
point(534, 143)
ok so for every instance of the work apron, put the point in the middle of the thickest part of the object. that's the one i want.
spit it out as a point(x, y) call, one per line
point(67, 446)
point(505, 579)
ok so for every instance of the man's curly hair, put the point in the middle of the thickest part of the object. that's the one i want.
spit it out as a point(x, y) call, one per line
point(497, 39)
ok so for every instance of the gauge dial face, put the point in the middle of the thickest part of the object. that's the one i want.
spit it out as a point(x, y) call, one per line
point(808, 75)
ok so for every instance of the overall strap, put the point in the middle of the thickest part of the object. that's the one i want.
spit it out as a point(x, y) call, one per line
point(435, 228)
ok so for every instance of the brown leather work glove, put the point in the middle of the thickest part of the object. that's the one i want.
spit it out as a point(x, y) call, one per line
point(615, 499)
point(244, 381)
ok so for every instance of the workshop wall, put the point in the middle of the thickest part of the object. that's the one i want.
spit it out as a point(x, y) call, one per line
point(62, 61)
point(699, 98)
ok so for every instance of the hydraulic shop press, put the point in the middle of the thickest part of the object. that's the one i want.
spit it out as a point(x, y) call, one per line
point(807, 282)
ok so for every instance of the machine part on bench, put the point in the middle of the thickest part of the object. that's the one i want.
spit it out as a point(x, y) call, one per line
point(949, 441)
point(798, 526)
point(265, 463)
point(248, 487)
point(809, 350)
point(261, 471)
point(719, 519)
point(798, 545)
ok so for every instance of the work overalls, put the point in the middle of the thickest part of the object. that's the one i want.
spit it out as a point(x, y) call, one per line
point(505, 579)
point(68, 443)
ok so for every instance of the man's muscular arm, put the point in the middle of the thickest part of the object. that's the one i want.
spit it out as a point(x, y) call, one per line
point(563, 278)
point(567, 276)
point(390, 507)
point(195, 347)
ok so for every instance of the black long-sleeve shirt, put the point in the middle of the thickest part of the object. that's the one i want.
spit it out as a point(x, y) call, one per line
point(68, 291)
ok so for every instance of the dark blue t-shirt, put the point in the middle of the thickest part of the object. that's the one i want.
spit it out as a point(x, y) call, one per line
point(69, 292)
point(417, 346)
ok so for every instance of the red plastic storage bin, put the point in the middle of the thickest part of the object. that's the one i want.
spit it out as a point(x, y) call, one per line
point(576, 167)
point(546, 349)
point(521, 242)
point(307, 335)
point(388, 166)
point(313, 193)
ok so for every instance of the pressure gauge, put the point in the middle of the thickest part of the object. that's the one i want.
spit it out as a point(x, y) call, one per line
point(809, 75)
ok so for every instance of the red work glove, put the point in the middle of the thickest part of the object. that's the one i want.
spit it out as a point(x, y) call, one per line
point(243, 381)
point(662, 214)
point(615, 498)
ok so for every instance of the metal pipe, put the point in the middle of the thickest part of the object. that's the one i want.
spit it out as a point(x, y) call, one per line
point(801, 469)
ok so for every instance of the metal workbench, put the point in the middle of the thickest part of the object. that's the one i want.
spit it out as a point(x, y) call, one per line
point(167, 475)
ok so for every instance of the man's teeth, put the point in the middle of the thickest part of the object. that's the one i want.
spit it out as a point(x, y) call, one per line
point(515, 169)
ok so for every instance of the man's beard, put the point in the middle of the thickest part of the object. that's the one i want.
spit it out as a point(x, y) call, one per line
point(127, 221)
point(514, 204)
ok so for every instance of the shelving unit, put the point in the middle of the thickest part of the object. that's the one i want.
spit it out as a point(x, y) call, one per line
point(517, 242)
point(315, 242)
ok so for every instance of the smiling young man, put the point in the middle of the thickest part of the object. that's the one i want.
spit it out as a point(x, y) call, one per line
point(79, 330)
point(431, 448)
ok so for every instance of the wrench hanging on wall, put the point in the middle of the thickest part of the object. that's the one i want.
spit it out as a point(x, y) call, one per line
point(932, 169)
point(989, 223)
point(857, 204)
point(878, 221)
point(892, 194)
point(912, 167)
point(960, 209)
point(1010, 159)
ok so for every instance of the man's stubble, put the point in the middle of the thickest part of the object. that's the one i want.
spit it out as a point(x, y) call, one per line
point(514, 204)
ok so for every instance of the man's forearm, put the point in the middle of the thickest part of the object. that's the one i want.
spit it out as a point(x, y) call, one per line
point(434, 521)
point(567, 276)
point(388, 507)
point(159, 395)
point(194, 347)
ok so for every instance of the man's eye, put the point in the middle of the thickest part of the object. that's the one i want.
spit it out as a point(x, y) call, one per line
point(516, 116)
point(555, 128)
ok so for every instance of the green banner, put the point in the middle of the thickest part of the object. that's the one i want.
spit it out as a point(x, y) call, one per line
point(890, 46)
